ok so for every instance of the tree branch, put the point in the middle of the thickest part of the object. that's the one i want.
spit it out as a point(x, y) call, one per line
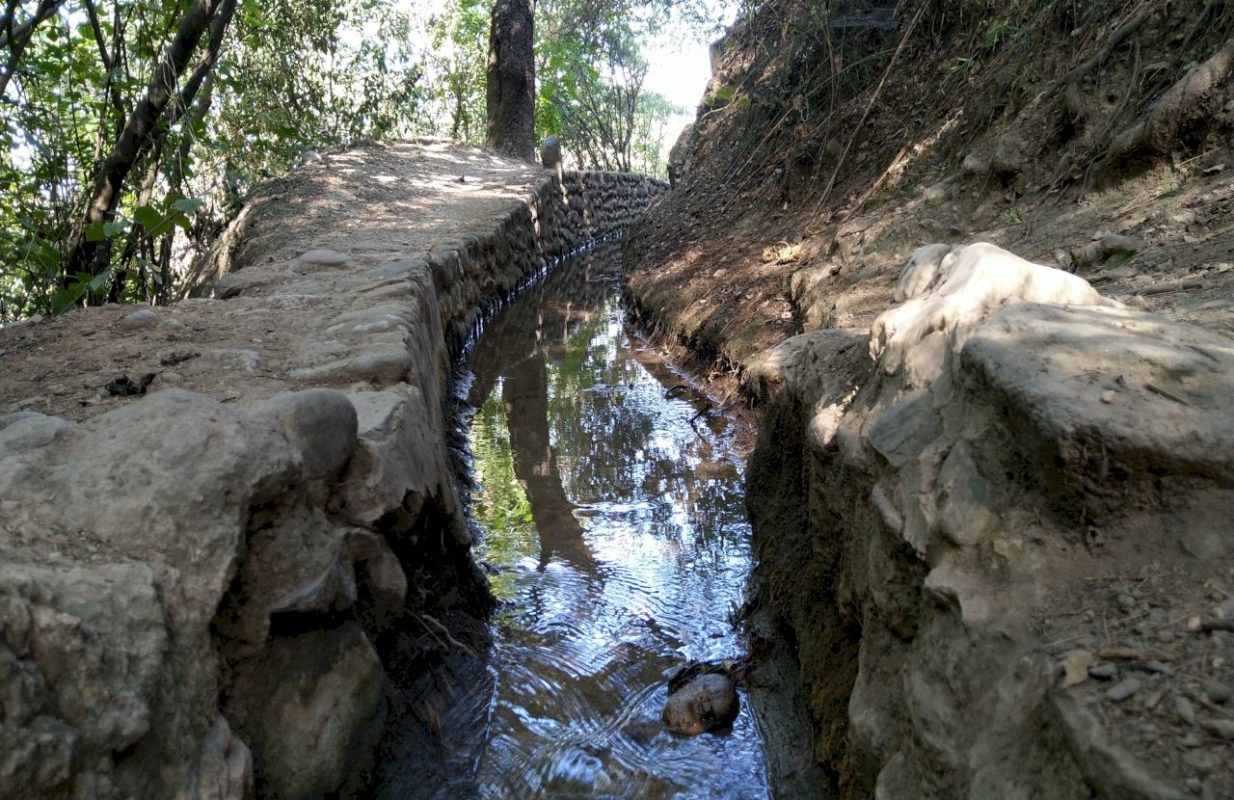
point(135, 137)
point(16, 38)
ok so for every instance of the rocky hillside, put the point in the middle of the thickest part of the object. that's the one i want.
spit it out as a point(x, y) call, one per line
point(989, 497)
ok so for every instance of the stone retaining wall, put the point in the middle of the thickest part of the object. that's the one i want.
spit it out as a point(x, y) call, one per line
point(201, 589)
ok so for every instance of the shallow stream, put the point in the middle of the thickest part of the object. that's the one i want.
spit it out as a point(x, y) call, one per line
point(614, 531)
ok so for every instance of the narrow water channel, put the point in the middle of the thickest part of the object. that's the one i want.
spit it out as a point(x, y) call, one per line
point(614, 531)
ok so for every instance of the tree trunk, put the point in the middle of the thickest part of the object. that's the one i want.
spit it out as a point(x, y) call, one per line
point(511, 92)
point(92, 257)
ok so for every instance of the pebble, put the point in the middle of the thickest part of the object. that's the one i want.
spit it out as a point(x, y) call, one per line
point(1193, 785)
point(1202, 761)
point(1190, 741)
point(1217, 691)
point(1184, 709)
point(1124, 689)
point(142, 318)
point(1219, 727)
point(1126, 601)
point(1103, 672)
point(1165, 636)
point(706, 702)
point(1107, 396)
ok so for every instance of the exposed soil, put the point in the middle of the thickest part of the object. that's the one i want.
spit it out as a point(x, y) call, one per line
point(1095, 137)
point(799, 195)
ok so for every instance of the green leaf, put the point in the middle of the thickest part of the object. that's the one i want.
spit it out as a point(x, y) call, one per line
point(188, 205)
point(148, 217)
point(116, 228)
point(95, 232)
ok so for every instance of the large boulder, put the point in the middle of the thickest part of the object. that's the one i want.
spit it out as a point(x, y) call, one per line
point(1017, 444)
point(119, 539)
point(140, 551)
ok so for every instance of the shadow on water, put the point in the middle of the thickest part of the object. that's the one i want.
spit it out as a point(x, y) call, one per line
point(617, 542)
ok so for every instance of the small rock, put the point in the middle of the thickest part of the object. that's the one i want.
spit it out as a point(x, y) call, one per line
point(175, 324)
point(1195, 624)
point(1190, 741)
point(1107, 396)
point(709, 701)
point(1202, 761)
point(975, 165)
point(1217, 691)
point(1219, 727)
point(1103, 672)
point(1126, 602)
point(1076, 666)
point(1123, 689)
point(136, 320)
point(720, 273)
point(170, 358)
point(1193, 785)
point(1184, 709)
point(124, 386)
point(1165, 636)
point(324, 258)
point(938, 193)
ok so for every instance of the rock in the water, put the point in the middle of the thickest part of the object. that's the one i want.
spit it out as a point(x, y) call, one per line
point(705, 703)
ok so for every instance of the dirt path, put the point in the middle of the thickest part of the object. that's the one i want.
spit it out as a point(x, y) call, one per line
point(317, 234)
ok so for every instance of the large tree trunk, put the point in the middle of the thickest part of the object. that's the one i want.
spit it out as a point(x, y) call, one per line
point(511, 91)
point(93, 257)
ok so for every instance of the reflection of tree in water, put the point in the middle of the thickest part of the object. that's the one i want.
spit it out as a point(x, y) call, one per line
point(566, 414)
point(499, 504)
point(609, 416)
point(511, 349)
point(585, 420)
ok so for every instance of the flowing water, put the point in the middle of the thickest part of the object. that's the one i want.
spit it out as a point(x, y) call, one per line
point(614, 531)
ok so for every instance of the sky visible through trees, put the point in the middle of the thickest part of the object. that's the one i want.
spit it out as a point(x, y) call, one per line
point(131, 130)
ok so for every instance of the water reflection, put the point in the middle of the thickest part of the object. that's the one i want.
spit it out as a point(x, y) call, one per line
point(620, 546)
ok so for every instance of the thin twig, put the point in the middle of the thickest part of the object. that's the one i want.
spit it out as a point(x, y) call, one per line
point(878, 90)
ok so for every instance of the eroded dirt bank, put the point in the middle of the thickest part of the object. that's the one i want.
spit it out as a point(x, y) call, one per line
point(223, 523)
point(992, 506)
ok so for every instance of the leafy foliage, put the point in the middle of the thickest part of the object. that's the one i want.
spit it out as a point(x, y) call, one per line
point(288, 78)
